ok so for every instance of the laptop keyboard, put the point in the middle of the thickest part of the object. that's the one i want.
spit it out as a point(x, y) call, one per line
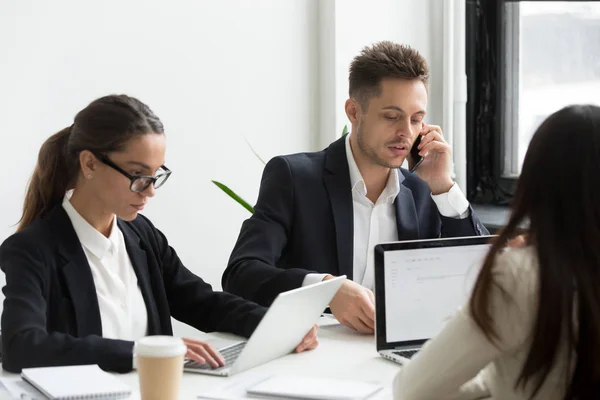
point(230, 354)
point(405, 353)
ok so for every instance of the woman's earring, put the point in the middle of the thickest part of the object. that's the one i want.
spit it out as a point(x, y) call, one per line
point(89, 176)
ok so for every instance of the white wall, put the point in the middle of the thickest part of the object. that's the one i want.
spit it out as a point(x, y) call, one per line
point(273, 71)
point(213, 71)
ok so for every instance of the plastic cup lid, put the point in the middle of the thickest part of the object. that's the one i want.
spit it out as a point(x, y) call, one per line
point(159, 346)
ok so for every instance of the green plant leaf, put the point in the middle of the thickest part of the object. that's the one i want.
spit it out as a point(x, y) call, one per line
point(254, 151)
point(234, 196)
point(345, 130)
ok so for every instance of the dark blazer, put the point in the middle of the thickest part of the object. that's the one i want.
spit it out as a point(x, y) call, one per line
point(51, 314)
point(303, 223)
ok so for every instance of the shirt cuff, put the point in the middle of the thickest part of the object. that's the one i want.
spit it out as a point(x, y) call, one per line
point(134, 363)
point(313, 278)
point(452, 204)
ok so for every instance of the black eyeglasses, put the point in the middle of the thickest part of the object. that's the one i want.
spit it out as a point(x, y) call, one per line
point(139, 183)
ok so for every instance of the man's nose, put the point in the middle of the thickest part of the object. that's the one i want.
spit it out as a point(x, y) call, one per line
point(404, 129)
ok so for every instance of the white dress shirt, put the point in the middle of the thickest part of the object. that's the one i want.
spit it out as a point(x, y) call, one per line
point(122, 309)
point(376, 223)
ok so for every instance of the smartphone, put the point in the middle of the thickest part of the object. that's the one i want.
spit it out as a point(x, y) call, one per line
point(414, 154)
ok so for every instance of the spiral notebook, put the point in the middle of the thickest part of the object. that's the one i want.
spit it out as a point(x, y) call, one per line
point(76, 382)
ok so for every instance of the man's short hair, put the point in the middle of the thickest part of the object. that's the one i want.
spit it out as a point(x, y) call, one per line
point(384, 60)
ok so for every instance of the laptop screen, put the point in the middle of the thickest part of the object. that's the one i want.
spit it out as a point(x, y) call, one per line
point(423, 288)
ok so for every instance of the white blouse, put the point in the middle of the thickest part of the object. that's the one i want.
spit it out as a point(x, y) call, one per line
point(122, 309)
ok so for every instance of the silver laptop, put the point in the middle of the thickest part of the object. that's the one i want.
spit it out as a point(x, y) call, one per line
point(288, 320)
point(419, 285)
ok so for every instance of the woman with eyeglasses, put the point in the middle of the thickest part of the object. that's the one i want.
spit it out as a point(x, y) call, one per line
point(531, 329)
point(86, 275)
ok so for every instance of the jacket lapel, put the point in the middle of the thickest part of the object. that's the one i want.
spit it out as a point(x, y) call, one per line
point(337, 182)
point(406, 213)
point(77, 274)
point(139, 260)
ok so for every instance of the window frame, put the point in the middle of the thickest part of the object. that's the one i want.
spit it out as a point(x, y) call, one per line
point(487, 182)
point(492, 34)
point(511, 91)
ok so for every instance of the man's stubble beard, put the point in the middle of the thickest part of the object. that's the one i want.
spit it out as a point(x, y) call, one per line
point(368, 151)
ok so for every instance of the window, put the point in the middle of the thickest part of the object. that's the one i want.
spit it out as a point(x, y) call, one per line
point(552, 60)
point(525, 60)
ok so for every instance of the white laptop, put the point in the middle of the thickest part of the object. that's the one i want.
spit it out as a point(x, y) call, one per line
point(290, 317)
point(419, 285)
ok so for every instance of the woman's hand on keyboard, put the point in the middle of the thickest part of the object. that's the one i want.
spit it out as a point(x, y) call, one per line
point(310, 341)
point(203, 352)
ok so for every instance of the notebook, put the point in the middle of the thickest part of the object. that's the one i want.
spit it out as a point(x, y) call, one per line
point(75, 382)
point(309, 388)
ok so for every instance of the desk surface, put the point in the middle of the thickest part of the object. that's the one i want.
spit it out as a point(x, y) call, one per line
point(342, 353)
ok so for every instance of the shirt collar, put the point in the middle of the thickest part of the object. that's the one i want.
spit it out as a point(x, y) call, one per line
point(392, 187)
point(89, 237)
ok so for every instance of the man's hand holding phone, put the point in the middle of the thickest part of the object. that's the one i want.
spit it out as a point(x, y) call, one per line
point(436, 165)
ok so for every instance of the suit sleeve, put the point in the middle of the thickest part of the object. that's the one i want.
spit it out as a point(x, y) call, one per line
point(193, 301)
point(469, 226)
point(26, 343)
point(252, 270)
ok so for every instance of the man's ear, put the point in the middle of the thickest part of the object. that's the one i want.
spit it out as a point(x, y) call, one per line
point(353, 110)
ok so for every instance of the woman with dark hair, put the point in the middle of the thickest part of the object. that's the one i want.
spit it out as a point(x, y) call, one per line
point(531, 329)
point(86, 275)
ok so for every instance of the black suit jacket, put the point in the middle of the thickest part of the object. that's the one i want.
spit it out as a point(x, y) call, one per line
point(303, 223)
point(51, 314)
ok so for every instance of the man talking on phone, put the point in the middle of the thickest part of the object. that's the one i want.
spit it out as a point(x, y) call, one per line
point(319, 215)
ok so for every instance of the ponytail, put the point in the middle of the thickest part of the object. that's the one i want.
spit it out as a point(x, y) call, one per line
point(50, 179)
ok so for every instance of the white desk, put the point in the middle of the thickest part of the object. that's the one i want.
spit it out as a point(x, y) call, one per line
point(342, 353)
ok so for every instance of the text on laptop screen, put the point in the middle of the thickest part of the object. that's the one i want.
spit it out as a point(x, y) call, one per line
point(425, 287)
